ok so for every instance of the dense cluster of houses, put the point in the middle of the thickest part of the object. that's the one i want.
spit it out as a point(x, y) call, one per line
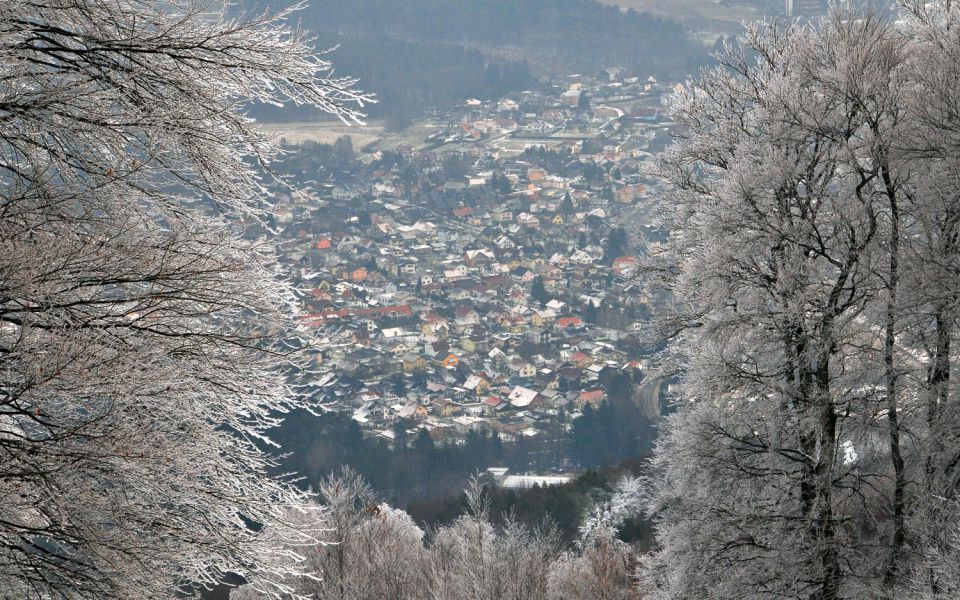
point(492, 298)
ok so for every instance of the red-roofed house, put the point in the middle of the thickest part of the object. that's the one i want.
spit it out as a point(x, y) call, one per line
point(490, 404)
point(581, 359)
point(591, 397)
point(574, 322)
point(625, 263)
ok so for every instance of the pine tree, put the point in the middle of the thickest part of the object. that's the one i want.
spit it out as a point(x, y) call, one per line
point(538, 291)
point(566, 205)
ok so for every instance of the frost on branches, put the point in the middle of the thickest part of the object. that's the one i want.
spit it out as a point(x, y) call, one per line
point(378, 553)
point(814, 281)
point(137, 366)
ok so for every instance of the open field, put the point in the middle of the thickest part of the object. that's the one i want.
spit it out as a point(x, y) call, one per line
point(414, 135)
point(373, 134)
point(325, 132)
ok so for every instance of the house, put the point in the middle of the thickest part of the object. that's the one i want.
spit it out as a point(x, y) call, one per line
point(556, 305)
point(529, 221)
point(552, 273)
point(467, 315)
point(581, 257)
point(465, 423)
point(400, 348)
point(355, 274)
point(544, 317)
point(492, 404)
point(392, 333)
point(413, 362)
point(413, 410)
point(482, 256)
point(581, 360)
point(477, 384)
point(523, 369)
point(456, 273)
point(450, 361)
point(629, 194)
point(436, 349)
point(569, 377)
point(624, 265)
point(449, 408)
point(569, 322)
point(592, 397)
point(284, 214)
point(435, 326)
point(522, 397)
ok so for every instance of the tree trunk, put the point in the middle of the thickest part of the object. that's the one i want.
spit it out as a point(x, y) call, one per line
point(938, 384)
point(893, 419)
point(818, 443)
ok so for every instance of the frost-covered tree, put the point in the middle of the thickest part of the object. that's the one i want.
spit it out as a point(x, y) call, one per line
point(932, 286)
point(369, 549)
point(471, 559)
point(602, 566)
point(784, 472)
point(395, 559)
point(137, 359)
point(373, 551)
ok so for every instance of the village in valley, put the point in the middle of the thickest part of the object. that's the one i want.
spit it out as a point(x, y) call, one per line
point(480, 273)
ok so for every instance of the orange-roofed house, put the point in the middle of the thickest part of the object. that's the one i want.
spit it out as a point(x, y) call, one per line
point(450, 362)
point(359, 274)
point(564, 322)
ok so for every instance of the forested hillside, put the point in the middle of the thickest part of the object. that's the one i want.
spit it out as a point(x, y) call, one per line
point(411, 77)
point(423, 54)
point(580, 34)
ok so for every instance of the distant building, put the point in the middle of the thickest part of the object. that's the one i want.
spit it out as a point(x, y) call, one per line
point(521, 482)
point(813, 8)
point(503, 479)
point(805, 8)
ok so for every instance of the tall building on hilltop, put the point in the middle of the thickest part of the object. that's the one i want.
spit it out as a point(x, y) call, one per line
point(805, 8)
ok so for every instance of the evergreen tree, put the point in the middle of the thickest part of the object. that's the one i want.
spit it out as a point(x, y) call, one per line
point(423, 442)
point(566, 205)
point(583, 103)
point(538, 291)
point(590, 313)
point(615, 245)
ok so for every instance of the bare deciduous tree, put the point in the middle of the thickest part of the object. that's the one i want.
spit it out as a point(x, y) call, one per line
point(785, 472)
point(137, 363)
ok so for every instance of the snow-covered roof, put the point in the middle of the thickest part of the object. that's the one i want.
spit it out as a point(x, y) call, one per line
point(521, 397)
